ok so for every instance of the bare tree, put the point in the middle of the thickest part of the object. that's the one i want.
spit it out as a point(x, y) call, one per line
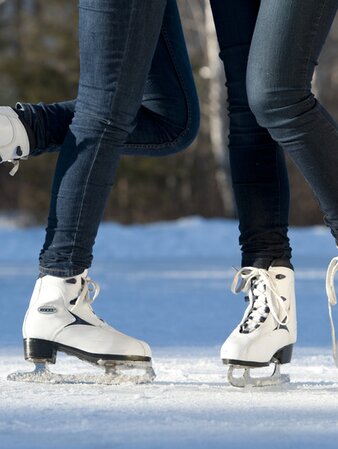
point(217, 114)
point(201, 38)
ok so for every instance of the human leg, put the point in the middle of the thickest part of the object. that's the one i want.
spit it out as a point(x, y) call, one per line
point(114, 35)
point(106, 109)
point(48, 122)
point(261, 190)
point(168, 118)
point(280, 72)
point(155, 143)
point(258, 170)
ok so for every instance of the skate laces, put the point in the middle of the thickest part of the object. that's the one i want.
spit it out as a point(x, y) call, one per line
point(90, 290)
point(16, 165)
point(263, 297)
point(332, 301)
point(15, 168)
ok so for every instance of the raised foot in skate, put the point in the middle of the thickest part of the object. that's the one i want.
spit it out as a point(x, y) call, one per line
point(14, 142)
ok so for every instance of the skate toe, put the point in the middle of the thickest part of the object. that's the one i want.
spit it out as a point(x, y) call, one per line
point(128, 346)
point(146, 348)
point(233, 351)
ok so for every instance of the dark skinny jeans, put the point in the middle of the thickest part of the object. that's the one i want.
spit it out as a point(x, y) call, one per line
point(136, 96)
point(270, 49)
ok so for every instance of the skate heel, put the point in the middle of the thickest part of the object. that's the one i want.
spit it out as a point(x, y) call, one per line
point(39, 351)
point(284, 355)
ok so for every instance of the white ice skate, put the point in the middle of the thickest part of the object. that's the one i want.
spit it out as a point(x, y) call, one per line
point(60, 318)
point(14, 141)
point(332, 301)
point(268, 329)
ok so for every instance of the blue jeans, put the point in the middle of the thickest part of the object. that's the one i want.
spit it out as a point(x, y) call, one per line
point(136, 96)
point(270, 49)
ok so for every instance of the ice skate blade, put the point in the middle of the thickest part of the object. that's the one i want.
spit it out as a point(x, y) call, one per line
point(128, 372)
point(114, 375)
point(246, 381)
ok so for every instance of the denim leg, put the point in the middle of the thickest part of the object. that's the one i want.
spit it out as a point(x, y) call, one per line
point(166, 122)
point(49, 123)
point(258, 170)
point(280, 70)
point(168, 119)
point(118, 39)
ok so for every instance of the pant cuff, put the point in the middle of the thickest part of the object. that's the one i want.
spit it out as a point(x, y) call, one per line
point(62, 273)
point(265, 263)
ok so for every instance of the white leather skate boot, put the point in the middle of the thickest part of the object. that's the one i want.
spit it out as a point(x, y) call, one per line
point(60, 318)
point(332, 301)
point(268, 329)
point(14, 140)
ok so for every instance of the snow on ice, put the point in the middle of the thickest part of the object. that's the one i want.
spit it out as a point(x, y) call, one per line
point(169, 283)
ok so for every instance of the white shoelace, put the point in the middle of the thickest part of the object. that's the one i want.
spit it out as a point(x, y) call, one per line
point(262, 292)
point(332, 301)
point(15, 168)
point(90, 290)
point(16, 164)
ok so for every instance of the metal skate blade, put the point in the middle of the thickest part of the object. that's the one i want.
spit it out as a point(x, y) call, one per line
point(246, 380)
point(134, 372)
point(41, 374)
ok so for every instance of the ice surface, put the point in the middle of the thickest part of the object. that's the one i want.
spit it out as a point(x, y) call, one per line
point(168, 283)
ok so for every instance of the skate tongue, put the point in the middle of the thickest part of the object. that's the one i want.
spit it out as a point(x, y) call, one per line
point(91, 289)
point(87, 293)
point(81, 287)
point(332, 301)
point(259, 307)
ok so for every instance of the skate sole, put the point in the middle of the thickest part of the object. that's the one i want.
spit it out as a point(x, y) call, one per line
point(38, 350)
point(282, 356)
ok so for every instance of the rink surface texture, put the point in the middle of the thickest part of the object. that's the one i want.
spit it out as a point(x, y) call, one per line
point(169, 283)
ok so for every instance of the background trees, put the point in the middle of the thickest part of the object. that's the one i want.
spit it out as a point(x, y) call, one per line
point(39, 62)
